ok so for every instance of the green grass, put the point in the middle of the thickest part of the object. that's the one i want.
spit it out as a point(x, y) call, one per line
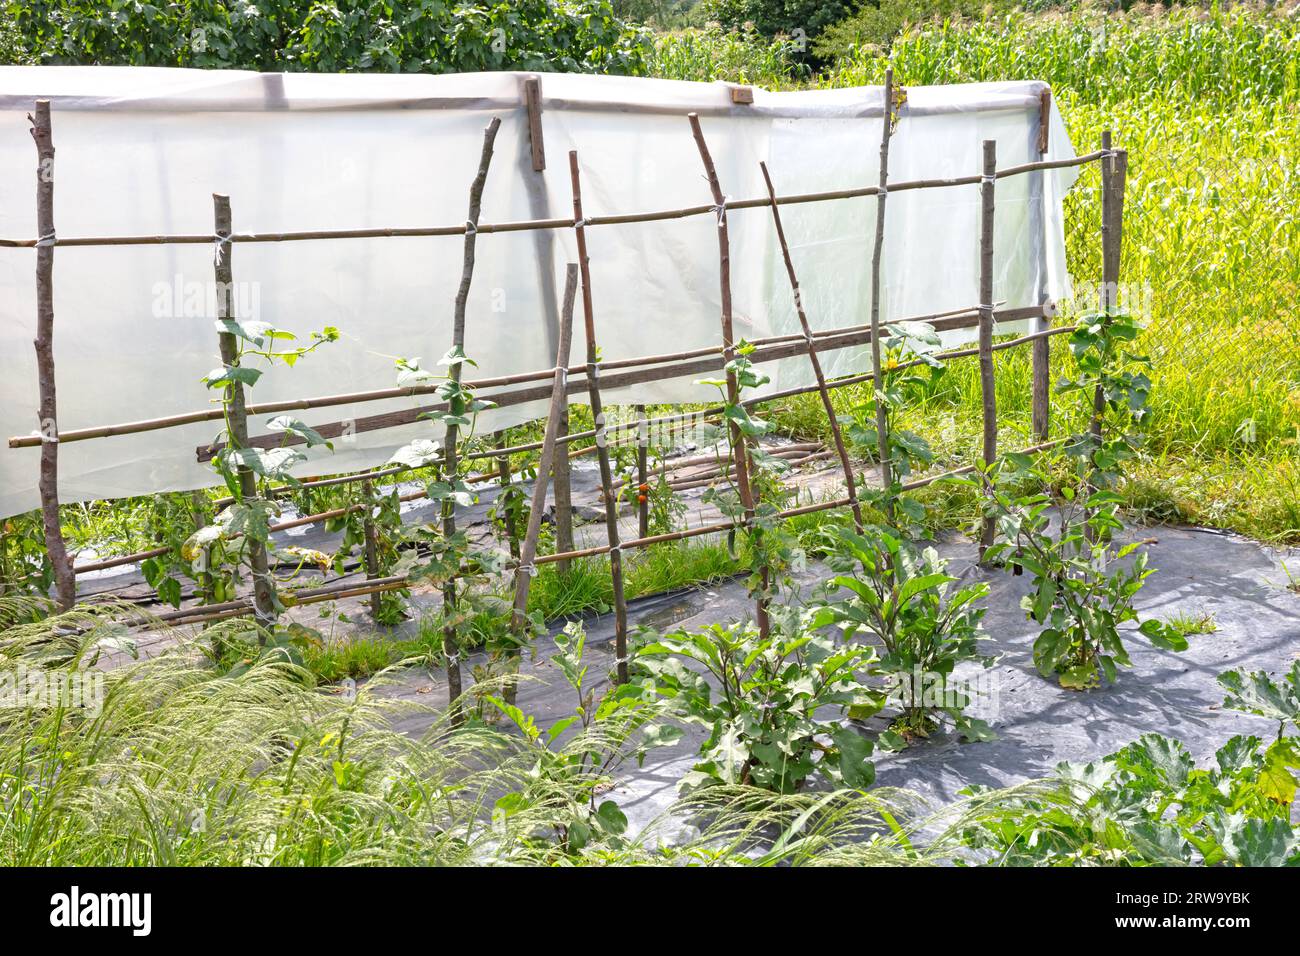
point(1191, 623)
point(1208, 106)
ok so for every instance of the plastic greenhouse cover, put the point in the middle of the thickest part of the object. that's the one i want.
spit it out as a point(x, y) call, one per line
point(141, 151)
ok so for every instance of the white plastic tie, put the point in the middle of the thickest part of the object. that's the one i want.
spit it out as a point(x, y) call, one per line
point(721, 211)
point(988, 179)
point(219, 247)
point(48, 239)
point(579, 224)
point(471, 227)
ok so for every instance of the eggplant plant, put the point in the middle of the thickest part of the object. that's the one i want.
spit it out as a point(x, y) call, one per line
point(1084, 586)
point(896, 594)
point(762, 700)
point(774, 551)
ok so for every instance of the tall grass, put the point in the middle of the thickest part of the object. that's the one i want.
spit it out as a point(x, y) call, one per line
point(1207, 103)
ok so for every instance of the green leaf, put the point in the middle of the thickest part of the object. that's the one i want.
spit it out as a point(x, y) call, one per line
point(287, 423)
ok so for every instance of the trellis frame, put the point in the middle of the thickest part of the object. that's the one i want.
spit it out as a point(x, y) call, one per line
point(564, 376)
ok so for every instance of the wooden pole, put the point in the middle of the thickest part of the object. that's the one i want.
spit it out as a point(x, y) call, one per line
point(739, 443)
point(559, 398)
point(563, 493)
point(882, 413)
point(237, 413)
point(65, 582)
point(451, 460)
point(503, 479)
point(342, 589)
point(371, 544)
point(850, 482)
point(1041, 389)
point(828, 339)
point(642, 478)
point(598, 417)
point(543, 224)
point(988, 394)
point(1114, 170)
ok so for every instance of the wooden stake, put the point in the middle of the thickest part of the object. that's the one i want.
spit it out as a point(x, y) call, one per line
point(849, 481)
point(263, 587)
point(1041, 389)
point(1114, 170)
point(65, 582)
point(598, 416)
point(642, 479)
point(451, 461)
point(533, 104)
point(562, 495)
point(739, 444)
point(503, 478)
point(882, 415)
point(372, 544)
point(988, 394)
point(559, 398)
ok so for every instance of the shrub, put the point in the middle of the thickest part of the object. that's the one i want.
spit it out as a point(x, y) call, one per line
point(564, 36)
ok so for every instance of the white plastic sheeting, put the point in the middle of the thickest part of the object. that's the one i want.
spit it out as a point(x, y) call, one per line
point(141, 151)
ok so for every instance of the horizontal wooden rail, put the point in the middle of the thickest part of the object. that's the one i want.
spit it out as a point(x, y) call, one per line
point(215, 413)
point(784, 349)
point(611, 430)
point(528, 225)
point(241, 607)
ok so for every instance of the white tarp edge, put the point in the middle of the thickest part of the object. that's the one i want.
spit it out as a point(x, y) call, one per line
point(141, 151)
